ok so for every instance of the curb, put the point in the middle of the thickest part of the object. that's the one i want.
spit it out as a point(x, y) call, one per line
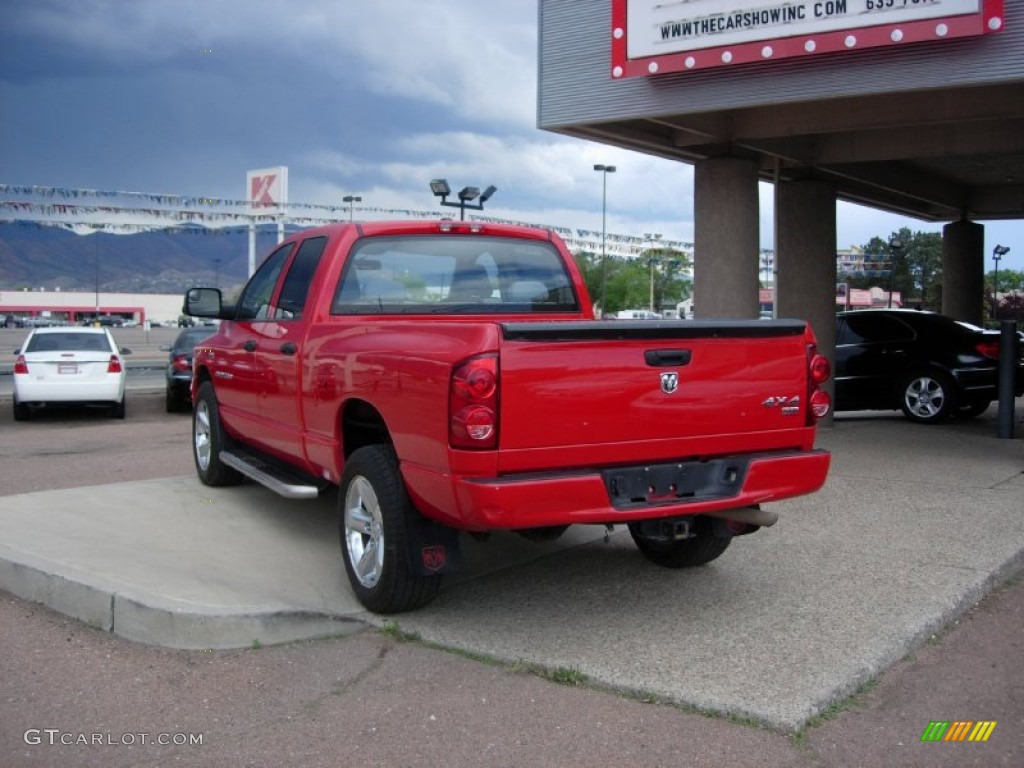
point(166, 623)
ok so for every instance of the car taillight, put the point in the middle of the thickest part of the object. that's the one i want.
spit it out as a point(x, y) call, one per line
point(114, 366)
point(988, 349)
point(473, 403)
point(181, 363)
point(20, 366)
point(818, 372)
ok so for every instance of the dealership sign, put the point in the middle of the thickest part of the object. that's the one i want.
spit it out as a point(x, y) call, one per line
point(651, 37)
point(267, 187)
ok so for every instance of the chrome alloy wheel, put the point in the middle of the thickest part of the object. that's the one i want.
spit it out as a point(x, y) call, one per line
point(201, 435)
point(925, 397)
point(364, 532)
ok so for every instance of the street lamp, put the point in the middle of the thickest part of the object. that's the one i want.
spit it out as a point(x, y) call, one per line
point(604, 170)
point(652, 260)
point(466, 196)
point(895, 246)
point(351, 200)
point(997, 253)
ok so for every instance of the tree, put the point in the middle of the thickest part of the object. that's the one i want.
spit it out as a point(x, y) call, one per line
point(916, 267)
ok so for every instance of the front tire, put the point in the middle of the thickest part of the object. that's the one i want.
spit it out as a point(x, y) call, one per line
point(682, 553)
point(208, 441)
point(376, 516)
point(927, 397)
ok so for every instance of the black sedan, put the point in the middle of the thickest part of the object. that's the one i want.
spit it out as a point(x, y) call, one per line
point(929, 365)
point(179, 367)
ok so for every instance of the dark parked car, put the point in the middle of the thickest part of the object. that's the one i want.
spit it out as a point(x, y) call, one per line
point(179, 367)
point(929, 365)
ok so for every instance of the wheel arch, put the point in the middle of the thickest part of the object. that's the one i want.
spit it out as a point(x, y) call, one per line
point(360, 424)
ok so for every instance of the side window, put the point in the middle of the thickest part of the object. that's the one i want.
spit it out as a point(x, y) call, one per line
point(254, 303)
point(295, 289)
point(866, 328)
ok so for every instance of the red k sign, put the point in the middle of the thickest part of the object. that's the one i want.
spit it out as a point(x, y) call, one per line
point(259, 190)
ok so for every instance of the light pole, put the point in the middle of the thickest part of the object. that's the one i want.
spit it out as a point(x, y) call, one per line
point(604, 170)
point(351, 200)
point(997, 253)
point(652, 260)
point(467, 195)
point(895, 246)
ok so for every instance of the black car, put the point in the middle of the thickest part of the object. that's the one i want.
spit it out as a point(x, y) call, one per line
point(179, 367)
point(929, 365)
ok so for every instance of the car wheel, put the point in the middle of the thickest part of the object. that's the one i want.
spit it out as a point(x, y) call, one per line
point(375, 520)
point(117, 410)
point(927, 397)
point(21, 411)
point(174, 404)
point(973, 408)
point(683, 553)
point(208, 441)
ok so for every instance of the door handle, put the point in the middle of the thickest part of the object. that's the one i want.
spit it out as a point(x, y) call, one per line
point(249, 346)
point(667, 358)
point(289, 348)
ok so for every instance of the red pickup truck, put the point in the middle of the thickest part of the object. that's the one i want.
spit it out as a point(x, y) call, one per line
point(450, 376)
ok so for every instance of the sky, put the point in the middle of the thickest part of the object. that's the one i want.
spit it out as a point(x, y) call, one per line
point(355, 97)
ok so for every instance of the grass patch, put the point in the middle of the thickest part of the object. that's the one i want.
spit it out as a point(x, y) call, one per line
point(256, 645)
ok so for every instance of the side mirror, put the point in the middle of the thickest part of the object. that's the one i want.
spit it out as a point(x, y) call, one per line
point(202, 302)
point(125, 351)
point(165, 347)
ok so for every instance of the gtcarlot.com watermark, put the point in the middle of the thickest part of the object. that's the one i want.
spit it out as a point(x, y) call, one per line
point(55, 736)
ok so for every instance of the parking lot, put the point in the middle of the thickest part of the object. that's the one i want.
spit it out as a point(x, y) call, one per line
point(915, 525)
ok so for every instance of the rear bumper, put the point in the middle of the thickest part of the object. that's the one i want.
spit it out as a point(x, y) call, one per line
point(109, 390)
point(540, 500)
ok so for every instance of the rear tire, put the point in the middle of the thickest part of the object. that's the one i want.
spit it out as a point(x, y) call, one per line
point(927, 397)
point(22, 412)
point(683, 553)
point(375, 518)
point(174, 404)
point(208, 441)
point(117, 410)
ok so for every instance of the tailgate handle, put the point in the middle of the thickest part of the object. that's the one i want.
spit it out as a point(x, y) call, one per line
point(667, 357)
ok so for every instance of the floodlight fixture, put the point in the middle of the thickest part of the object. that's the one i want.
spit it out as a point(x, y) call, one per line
point(1000, 251)
point(351, 200)
point(466, 195)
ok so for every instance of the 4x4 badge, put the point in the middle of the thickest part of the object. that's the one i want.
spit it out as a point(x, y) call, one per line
point(669, 382)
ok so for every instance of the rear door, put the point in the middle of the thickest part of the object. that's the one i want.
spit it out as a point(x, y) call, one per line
point(579, 394)
point(872, 353)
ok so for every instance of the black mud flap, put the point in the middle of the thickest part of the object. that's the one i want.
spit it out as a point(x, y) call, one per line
point(433, 548)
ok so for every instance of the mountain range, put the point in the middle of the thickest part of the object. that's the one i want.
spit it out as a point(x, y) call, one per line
point(35, 257)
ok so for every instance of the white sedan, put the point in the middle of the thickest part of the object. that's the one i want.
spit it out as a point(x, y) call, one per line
point(69, 365)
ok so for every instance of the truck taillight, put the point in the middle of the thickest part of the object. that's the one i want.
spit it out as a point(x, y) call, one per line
point(473, 403)
point(20, 365)
point(818, 372)
point(114, 366)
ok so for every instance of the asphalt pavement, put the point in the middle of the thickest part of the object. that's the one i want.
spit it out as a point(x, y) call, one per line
point(854, 590)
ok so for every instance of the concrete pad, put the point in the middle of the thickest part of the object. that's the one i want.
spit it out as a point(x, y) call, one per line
point(174, 563)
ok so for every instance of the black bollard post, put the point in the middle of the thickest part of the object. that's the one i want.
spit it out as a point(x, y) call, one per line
point(1007, 377)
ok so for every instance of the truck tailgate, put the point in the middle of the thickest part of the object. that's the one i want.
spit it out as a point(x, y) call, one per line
point(617, 392)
